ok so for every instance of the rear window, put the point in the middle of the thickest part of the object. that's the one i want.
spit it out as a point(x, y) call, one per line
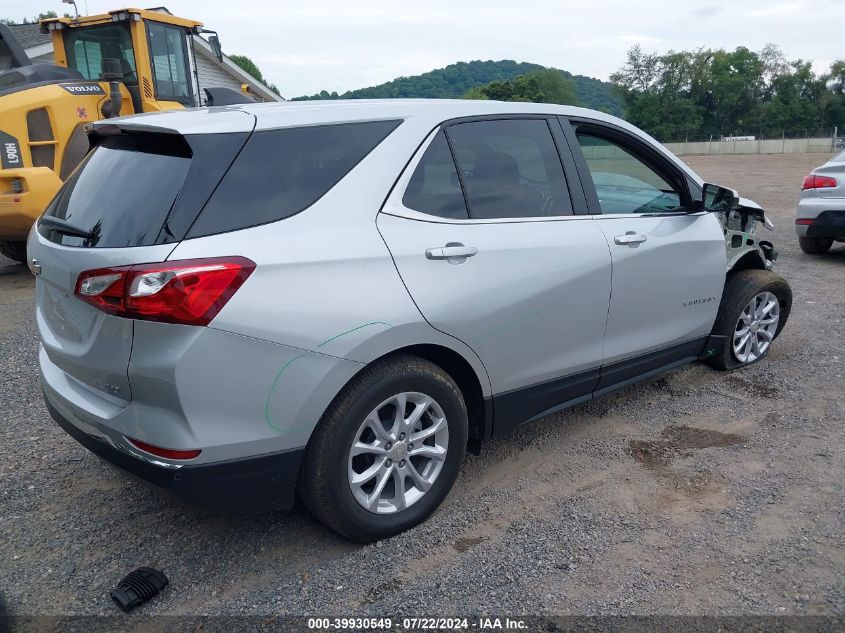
point(282, 172)
point(122, 192)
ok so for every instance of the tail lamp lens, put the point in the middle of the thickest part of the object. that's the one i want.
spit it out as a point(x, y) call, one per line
point(817, 182)
point(190, 292)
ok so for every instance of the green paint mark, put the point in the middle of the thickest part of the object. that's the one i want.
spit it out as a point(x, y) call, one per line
point(507, 325)
point(355, 329)
point(284, 368)
point(273, 388)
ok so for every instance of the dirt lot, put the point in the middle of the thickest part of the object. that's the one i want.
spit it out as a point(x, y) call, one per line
point(695, 493)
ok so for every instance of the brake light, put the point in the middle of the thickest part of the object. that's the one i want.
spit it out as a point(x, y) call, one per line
point(804, 221)
point(190, 292)
point(817, 182)
point(167, 453)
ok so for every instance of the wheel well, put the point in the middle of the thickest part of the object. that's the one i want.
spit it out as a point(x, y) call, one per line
point(750, 261)
point(464, 375)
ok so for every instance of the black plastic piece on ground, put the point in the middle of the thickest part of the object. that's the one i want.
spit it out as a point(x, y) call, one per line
point(138, 587)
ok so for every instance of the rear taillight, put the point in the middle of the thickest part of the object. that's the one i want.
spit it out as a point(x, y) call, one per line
point(190, 291)
point(804, 221)
point(818, 182)
point(167, 453)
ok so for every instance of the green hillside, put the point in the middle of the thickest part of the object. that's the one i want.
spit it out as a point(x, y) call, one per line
point(454, 80)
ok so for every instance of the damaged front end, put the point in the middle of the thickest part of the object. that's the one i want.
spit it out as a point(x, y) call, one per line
point(740, 219)
point(740, 225)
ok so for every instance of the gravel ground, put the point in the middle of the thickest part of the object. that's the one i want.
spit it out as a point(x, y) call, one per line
point(695, 493)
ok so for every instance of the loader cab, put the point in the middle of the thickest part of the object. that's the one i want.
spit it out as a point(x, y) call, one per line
point(153, 49)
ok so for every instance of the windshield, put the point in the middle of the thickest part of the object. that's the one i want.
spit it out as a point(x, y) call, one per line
point(87, 47)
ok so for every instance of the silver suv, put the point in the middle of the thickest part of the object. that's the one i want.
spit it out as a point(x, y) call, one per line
point(339, 299)
point(820, 219)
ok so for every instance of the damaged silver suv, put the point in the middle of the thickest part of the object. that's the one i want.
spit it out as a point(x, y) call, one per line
point(339, 299)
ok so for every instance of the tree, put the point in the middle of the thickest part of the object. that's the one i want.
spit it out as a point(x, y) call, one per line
point(249, 66)
point(555, 87)
point(833, 96)
point(540, 86)
point(707, 92)
point(475, 93)
point(464, 78)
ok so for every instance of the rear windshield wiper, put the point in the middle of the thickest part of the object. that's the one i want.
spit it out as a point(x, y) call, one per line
point(64, 227)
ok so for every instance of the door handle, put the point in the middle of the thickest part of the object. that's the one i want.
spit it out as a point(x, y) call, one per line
point(454, 253)
point(630, 238)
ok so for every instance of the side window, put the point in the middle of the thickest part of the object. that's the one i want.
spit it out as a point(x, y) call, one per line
point(434, 187)
point(169, 61)
point(282, 172)
point(624, 183)
point(510, 168)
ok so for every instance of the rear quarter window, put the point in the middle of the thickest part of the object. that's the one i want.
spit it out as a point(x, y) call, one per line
point(282, 172)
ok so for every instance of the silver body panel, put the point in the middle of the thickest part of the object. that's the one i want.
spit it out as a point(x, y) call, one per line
point(530, 313)
point(680, 300)
point(346, 282)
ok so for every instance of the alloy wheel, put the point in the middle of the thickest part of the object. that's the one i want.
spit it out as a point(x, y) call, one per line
point(398, 452)
point(756, 327)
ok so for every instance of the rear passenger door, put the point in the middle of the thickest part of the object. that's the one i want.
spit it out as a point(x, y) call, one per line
point(668, 262)
point(483, 230)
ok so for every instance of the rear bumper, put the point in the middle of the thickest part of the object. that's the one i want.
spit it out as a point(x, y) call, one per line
point(828, 224)
point(255, 484)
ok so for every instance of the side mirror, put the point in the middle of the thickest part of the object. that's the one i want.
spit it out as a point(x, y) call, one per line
point(718, 199)
point(214, 42)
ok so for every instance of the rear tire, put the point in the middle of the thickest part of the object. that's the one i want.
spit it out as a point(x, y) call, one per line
point(333, 483)
point(815, 245)
point(733, 321)
point(14, 250)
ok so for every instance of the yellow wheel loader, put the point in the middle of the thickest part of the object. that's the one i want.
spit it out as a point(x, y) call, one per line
point(119, 63)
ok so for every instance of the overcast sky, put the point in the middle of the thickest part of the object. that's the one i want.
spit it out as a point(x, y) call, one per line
point(304, 47)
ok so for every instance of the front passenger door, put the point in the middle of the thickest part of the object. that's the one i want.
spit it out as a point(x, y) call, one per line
point(668, 263)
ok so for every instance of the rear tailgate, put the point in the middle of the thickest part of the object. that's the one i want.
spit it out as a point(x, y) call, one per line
point(91, 346)
point(133, 198)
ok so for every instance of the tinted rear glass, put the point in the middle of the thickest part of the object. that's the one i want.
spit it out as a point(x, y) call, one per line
point(282, 172)
point(510, 168)
point(435, 187)
point(122, 191)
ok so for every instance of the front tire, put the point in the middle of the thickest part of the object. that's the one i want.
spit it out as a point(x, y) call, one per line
point(815, 245)
point(755, 307)
point(387, 450)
